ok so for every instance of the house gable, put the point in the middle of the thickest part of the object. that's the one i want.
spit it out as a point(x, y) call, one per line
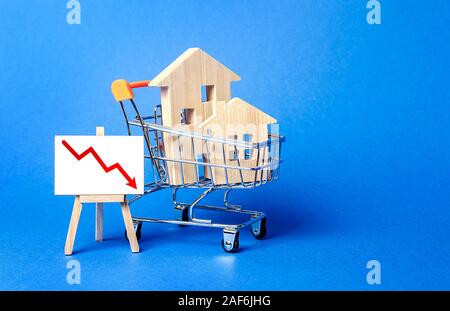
point(191, 61)
point(241, 121)
point(182, 81)
point(237, 111)
point(237, 117)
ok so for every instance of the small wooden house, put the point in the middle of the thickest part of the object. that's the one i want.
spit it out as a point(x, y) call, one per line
point(240, 121)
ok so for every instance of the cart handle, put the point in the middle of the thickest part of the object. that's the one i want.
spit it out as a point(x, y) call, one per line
point(123, 90)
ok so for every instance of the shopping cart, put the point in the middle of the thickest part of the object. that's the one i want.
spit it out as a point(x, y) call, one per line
point(267, 169)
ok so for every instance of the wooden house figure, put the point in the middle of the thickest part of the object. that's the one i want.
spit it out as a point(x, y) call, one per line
point(196, 96)
point(240, 121)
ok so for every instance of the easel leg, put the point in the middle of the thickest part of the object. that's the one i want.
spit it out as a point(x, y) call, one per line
point(129, 226)
point(76, 212)
point(99, 222)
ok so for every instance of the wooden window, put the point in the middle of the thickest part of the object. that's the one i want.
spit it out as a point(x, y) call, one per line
point(233, 154)
point(186, 116)
point(208, 93)
point(248, 151)
point(201, 168)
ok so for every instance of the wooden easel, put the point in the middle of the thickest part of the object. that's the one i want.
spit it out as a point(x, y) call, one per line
point(99, 200)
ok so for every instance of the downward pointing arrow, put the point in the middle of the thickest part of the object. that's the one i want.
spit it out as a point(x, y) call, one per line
point(130, 181)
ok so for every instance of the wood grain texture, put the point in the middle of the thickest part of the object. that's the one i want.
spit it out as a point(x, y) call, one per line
point(234, 120)
point(129, 227)
point(181, 88)
point(73, 225)
point(99, 216)
point(102, 198)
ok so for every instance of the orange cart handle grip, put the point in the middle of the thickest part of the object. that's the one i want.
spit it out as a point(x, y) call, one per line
point(138, 84)
point(123, 90)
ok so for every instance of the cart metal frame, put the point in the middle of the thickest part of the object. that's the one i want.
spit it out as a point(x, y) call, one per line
point(154, 132)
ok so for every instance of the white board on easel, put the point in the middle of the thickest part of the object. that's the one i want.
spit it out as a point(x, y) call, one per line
point(99, 165)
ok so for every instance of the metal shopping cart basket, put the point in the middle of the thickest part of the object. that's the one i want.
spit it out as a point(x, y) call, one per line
point(267, 168)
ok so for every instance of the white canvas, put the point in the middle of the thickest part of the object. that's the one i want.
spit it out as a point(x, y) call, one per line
point(87, 176)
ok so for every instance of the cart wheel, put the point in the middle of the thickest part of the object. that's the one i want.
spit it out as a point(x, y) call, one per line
point(184, 216)
point(137, 230)
point(230, 242)
point(259, 229)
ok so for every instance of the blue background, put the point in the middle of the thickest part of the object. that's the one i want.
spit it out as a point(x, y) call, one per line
point(365, 110)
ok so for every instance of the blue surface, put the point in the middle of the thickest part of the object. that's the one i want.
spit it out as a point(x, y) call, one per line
point(365, 109)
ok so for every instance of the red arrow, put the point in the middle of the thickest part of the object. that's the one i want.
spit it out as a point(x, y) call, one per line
point(107, 169)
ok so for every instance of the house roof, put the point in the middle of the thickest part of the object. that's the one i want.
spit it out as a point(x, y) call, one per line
point(237, 111)
point(192, 54)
